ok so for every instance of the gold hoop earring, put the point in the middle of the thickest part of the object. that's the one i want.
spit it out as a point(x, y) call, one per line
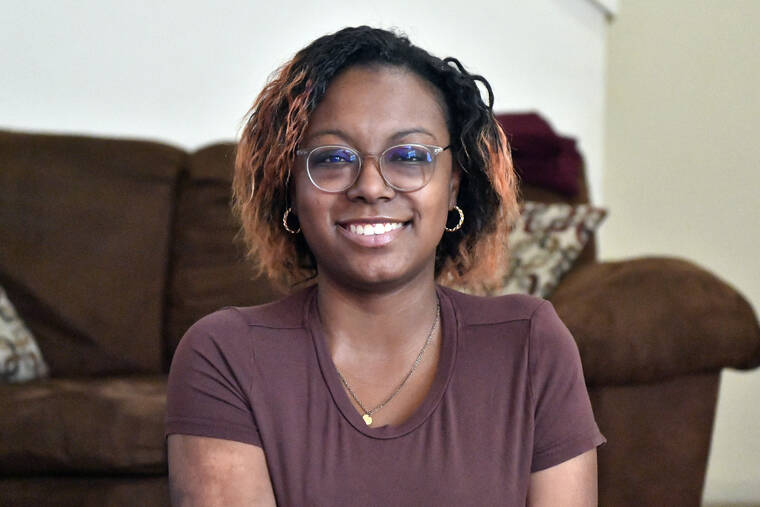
point(461, 220)
point(285, 222)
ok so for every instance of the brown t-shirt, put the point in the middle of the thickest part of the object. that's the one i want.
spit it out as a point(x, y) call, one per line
point(508, 399)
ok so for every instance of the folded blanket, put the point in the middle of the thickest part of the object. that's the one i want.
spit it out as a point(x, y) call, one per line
point(542, 157)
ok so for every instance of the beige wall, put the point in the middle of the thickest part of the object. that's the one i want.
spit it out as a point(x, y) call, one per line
point(682, 175)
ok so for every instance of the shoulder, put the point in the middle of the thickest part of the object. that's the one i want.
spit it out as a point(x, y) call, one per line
point(220, 334)
point(229, 329)
point(286, 313)
point(481, 310)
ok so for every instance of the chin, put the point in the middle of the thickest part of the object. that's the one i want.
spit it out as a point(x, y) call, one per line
point(379, 277)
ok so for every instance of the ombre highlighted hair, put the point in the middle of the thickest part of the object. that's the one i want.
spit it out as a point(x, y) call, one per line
point(473, 258)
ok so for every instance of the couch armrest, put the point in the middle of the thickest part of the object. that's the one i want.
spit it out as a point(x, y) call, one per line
point(653, 318)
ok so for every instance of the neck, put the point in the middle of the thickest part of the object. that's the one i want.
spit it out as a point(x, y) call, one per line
point(376, 324)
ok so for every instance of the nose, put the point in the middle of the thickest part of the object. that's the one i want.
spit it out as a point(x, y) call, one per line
point(370, 185)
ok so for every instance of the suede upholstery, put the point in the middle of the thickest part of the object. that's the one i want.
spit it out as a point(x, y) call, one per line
point(206, 256)
point(108, 425)
point(110, 249)
point(658, 440)
point(622, 316)
point(85, 229)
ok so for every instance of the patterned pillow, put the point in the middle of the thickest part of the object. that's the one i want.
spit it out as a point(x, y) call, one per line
point(545, 242)
point(20, 358)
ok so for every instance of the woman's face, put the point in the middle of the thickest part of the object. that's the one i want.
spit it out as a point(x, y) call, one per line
point(370, 109)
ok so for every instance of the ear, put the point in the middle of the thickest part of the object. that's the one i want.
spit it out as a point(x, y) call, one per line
point(456, 176)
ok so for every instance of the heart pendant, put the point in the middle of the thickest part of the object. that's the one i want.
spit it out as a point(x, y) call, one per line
point(367, 419)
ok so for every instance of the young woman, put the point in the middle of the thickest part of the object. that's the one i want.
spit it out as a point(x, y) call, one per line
point(368, 174)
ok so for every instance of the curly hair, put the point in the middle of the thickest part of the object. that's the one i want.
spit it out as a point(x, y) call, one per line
point(474, 257)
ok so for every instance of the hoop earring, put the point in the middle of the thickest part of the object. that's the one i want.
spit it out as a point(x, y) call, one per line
point(461, 220)
point(285, 222)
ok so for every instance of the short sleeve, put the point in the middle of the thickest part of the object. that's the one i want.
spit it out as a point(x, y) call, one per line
point(210, 380)
point(564, 425)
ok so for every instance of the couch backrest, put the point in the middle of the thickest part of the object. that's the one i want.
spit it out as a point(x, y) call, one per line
point(84, 239)
point(208, 270)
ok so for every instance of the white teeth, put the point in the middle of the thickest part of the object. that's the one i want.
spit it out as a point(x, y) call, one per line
point(372, 229)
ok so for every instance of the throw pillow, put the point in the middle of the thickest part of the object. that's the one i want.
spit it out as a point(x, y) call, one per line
point(20, 358)
point(545, 242)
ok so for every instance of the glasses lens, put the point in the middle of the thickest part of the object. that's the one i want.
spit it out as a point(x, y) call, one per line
point(409, 166)
point(333, 168)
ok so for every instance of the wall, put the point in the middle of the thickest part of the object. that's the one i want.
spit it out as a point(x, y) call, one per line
point(186, 71)
point(682, 174)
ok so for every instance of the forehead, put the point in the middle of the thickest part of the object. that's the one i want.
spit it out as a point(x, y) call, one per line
point(377, 101)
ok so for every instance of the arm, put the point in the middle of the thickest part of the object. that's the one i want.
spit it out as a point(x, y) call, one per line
point(214, 447)
point(564, 467)
point(209, 472)
point(572, 483)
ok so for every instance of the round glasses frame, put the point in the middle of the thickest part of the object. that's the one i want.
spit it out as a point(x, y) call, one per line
point(435, 151)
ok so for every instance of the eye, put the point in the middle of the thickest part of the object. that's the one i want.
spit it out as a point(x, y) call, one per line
point(409, 155)
point(332, 156)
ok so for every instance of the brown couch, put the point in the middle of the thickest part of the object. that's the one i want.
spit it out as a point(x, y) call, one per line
point(110, 249)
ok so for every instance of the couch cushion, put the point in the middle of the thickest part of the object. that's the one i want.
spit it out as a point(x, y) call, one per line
point(97, 425)
point(124, 491)
point(84, 254)
point(208, 266)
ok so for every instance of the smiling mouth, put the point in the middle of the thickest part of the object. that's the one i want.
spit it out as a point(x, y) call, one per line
point(373, 229)
point(376, 231)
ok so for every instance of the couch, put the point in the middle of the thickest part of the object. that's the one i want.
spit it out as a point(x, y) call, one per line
point(110, 249)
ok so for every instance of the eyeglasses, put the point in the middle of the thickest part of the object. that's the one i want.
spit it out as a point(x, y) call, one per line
point(405, 167)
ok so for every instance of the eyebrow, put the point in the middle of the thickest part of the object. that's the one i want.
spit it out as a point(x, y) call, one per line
point(416, 130)
point(398, 135)
point(330, 132)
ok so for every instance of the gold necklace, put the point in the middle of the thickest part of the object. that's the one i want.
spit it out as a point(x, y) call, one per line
point(367, 416)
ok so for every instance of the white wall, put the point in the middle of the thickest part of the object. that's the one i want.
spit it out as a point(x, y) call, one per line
point(185, 72)
point(682, 176)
